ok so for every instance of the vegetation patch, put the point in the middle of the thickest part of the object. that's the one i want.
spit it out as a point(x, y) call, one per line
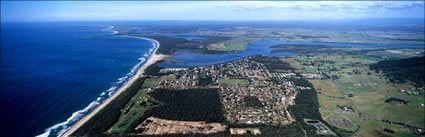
point(150, 82)
point(231, 45)
point(252, 101)
point(169, 45)
point(154, 69)
point(233, 81)
point(402, 70)
point(307, 107)
point(301, 48)
point(110, 114)
point(273, 64)
point(205, 80)
point(132, 111)
point(188, 105)
point(340, 122)
point(135, 108)
point(396, 100)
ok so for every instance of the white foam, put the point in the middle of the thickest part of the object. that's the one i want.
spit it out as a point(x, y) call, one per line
point(66, 125)
point(122, 79)
point(74, 117)
point(110, 28)
point(142, 59)
point(150, 51)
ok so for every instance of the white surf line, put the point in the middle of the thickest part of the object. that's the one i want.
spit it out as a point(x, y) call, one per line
point(78, 115)
point(150, 61)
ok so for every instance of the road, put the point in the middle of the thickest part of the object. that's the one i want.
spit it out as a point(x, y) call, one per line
point(354, 109)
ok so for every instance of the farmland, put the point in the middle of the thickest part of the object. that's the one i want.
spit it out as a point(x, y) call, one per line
point(366, 90)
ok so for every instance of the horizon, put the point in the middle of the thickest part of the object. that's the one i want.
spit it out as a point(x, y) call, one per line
point(48, 11)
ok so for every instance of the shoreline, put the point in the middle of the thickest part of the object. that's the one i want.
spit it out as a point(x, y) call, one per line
point(152, 59)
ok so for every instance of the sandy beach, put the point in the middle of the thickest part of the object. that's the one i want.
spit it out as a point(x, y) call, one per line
point(152, 59)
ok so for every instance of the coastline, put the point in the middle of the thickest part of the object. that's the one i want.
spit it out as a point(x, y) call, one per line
point(152, 59)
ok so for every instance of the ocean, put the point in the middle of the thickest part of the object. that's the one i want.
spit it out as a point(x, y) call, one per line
point(52, 74)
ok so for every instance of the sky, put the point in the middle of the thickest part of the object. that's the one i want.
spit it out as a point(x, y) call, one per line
point(206, 10)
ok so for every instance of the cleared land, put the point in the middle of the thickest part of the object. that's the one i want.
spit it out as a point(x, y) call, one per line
point(368, 91)
point(241, 131)
point(332, 106)
point(157, 126)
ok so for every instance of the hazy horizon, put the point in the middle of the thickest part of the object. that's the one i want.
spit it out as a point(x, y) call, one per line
point(25, 11)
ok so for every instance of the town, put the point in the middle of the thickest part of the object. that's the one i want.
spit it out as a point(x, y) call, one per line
point(250, 94)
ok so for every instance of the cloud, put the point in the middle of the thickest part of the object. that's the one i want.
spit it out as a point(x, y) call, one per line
point(228, 10)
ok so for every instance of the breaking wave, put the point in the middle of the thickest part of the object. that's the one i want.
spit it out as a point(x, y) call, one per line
point(60, 128)
point(111, 28)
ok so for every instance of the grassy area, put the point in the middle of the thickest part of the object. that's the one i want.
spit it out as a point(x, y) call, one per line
point(233, 81)
point(135, 108)
point(168, 77)
point(350, 116)
point(370, 90)
point(371, 37)
point(330, 99)
point(150, 82)
point(231, 45)
point(132, 111)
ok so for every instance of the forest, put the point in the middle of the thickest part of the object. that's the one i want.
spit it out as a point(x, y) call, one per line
point(110, 114)
point(297, 48)
point(252, 101)
point(402, 70)
point(153, 70)
point(273, 64)
point(188, 105)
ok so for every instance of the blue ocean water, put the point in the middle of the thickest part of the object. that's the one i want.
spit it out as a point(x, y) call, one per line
point(186, 59)
point(54, 73)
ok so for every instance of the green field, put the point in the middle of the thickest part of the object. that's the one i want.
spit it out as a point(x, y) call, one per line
point(369, 88)
point(233, 81)
point(149, 83)
point(329, 99)
point(232, 45)
point(359, 36)
point(134, 109)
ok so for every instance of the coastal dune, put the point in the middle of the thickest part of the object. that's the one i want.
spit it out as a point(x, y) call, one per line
point(152, 59)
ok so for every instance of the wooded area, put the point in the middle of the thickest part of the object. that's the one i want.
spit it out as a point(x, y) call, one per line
point(109, 115)
point(402, 70)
